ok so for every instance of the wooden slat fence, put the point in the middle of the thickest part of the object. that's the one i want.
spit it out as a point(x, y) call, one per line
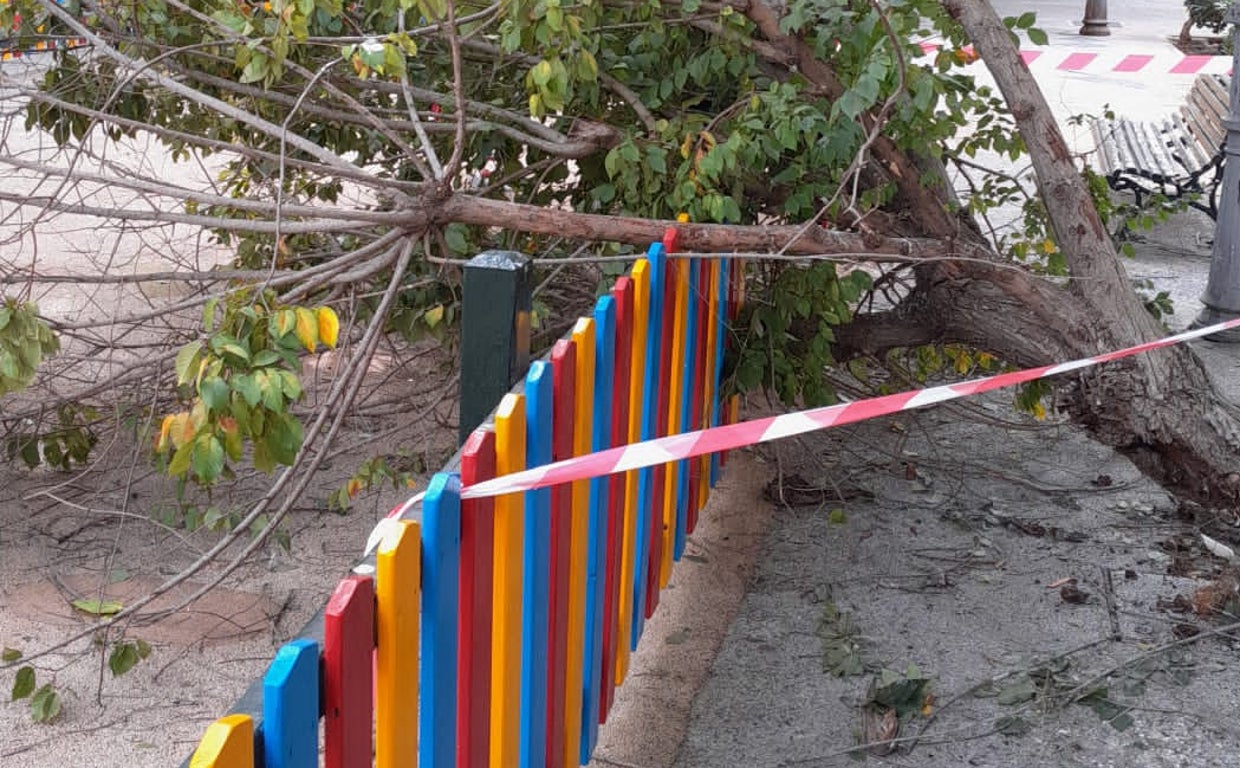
point(495, 631)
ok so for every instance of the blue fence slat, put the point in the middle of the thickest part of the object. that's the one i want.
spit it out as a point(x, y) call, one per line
point(536, 571)
point(596, 563)
point(441, 562)
point(721, 326)
point(686, 409)
point(649, 421)
point(291, 707)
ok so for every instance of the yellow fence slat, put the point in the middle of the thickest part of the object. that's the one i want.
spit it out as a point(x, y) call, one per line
point(397, 586)
point(583, 336)
point(506, 599)
point(228, 743)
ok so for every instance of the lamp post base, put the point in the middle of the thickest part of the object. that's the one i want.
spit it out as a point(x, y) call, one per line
point(1095, 19)
point(1210, 316)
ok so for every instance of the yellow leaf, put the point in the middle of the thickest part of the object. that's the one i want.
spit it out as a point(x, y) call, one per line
point(329, 326)
point(165, 428)
point(181, 430)
point(1048, 246)
point(433, 316)
point(682, 218)
point(286, 321)
point(307, 328)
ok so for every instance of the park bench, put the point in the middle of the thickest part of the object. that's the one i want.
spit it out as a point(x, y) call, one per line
point(1179, 157)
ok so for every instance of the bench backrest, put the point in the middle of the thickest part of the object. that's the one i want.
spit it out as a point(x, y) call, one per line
point(1205, 109)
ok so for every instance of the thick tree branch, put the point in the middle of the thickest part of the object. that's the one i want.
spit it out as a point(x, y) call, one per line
point(715, 238)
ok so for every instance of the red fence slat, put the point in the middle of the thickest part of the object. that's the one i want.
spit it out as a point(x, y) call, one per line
point(348, 673)
point(473, 707)
point(622, 293)
point(564, 385)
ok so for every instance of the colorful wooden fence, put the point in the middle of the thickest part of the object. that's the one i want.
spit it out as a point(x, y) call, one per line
point(494, 632)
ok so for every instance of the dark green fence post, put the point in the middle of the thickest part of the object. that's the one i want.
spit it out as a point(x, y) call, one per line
point(495, 332)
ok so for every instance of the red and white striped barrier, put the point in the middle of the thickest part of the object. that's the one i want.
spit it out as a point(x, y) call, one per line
point(662, 450)
point(1099, 62)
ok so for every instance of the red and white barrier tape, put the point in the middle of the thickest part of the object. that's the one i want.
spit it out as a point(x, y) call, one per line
point(1162, 61)
point(662, 450)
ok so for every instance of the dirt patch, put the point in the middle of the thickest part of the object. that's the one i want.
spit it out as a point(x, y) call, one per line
point(1201, 46)
point(223, 615)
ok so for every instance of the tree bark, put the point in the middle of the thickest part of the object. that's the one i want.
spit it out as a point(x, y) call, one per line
point(1160, 409)
point(711, 238)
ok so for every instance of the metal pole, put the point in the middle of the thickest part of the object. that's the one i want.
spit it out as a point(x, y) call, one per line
point(1222, 295)
point(495, 332)
point(1095, 24)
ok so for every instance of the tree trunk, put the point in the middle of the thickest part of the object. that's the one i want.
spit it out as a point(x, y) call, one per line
point(1159, 409)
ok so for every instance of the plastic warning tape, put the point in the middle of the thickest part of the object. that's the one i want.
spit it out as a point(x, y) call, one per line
point(729, 437)
point(1161, 62)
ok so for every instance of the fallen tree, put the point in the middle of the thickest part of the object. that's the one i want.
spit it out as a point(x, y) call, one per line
point(348, 152)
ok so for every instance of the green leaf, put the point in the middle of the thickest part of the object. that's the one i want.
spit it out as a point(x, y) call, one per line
point(45, 705)
point(1022, 690)
point(9, 655)
point(264, 358)
point(208, 313)
point(123, 658)
point(180, 460)
point(1012, 725)
point(541, 74)
point(144, 648)
point(187, 362)
point(1037, 36)
point(257, 68)
point(208, 458)
point(263, 461)
point(454, 235)
point(98, 607)
point(214, 393)
point(284, 438)
point(30, 453)
point(213, 516)
point(656, 158)
point(272, 390)
point(227, 345)
point(246, 386)
point(290, 385)
point(23, 684)
point(1026, 20)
